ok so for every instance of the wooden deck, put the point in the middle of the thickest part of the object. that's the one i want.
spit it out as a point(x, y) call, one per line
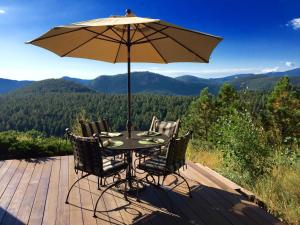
point(34, 192)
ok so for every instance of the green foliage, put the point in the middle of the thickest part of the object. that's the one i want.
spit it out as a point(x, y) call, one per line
point(31, 144)
point(52, 113)
point(284, 111)
point(200, 115)
point(227, 99)
point(245, 155)
point(53, 85)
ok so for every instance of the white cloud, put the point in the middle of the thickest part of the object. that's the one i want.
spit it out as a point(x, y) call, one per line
point(2, 11)
point(270, 69)
point(203, 72)
point(294, 23)
point(290, 64)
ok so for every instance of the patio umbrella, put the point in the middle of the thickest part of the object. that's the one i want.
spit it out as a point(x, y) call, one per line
point(129, 39)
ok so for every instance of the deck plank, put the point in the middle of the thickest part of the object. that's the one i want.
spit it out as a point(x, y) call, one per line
point(75, 198)
point(63, 212)
point(86, 202)
point(102, 215)
point(28, 200)
point(34, 191)
point(36, 216)
point(195, 211)
point(8, 175)
point(52, 197)
point(204, 192)
point(15, 203)
point(250, 209)
point(1, 163)
point(115, 216)
point(11, 188)
point(5, 167)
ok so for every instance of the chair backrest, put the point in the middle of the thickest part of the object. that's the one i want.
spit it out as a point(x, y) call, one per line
point(177, 151)
point(87, 154)
point(169, 128)
point(96, 127)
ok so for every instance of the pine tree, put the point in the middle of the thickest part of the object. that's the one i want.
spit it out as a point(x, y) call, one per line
point(200, 115)
point(284, 108)
point(227, 99)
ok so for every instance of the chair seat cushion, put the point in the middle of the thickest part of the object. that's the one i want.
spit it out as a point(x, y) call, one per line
point(154, 165)
point(111, 165)
point(154, 151)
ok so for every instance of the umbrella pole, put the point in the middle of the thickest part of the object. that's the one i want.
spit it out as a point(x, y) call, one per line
point(129, 124)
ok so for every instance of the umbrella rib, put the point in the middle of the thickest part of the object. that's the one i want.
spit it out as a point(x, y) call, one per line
point(152, 45)
point(103, 39)
point(81, 45)
point(154, 39)
point(121, 38)
point(182, 45)
point(192, 31)
point(55, 35)
point(101, 34)
point(119, 46)
point(145, 36)
point(131, 38)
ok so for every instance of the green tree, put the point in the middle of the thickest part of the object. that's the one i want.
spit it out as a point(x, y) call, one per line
point(283, 106)
point(200, 115)
point(227, 99)
point(245, 153)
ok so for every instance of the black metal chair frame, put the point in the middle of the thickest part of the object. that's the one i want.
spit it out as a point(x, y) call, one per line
point(165, 172)
point(114, 174)
point(142, 155)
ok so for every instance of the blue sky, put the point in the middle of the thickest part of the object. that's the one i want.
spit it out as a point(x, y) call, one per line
point(259, 35)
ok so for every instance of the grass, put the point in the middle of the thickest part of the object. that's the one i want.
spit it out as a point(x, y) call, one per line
point(210, 159)
point(280, 190)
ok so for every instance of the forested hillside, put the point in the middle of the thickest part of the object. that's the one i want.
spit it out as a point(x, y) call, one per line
point(52, 85)
point(52, 112)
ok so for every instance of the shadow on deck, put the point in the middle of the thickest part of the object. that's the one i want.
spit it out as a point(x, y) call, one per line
point(34, 191)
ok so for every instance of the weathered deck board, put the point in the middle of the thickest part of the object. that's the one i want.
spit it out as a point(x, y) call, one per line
point(52, 196)
point(34, 192)
point(75, 198)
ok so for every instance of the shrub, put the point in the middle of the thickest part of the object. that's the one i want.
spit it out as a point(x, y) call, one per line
point(31, 144)
point(245, 155)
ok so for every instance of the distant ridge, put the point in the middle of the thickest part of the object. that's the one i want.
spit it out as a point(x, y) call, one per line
point(148, 82)
point(53, 85)
point(7, 85)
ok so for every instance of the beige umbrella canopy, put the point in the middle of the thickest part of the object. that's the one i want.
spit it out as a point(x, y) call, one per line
point(129, 39)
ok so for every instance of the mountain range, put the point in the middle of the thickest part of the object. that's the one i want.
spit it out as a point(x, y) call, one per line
point(148, 82)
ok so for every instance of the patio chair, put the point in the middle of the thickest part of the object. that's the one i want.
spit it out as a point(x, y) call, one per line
point(168, 128)
point(96, 127)
point(89, 159)
point(162, 166)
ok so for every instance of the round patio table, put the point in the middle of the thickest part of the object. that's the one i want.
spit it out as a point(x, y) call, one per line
point(131, 145)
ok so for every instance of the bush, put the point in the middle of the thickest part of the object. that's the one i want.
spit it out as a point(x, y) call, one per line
point(245, 155)
point(31, 144)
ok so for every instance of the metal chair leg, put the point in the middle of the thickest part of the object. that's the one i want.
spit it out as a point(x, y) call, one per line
point(190, 193)
point(99, 182)
point(106, 189)
point(164, 178)
point(67, 202)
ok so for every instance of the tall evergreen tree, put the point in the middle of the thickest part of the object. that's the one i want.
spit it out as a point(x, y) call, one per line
point(284, 109)
point(200, 115)
point(227, 99)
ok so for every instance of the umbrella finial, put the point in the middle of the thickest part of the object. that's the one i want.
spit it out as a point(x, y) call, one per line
point(128, 12)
